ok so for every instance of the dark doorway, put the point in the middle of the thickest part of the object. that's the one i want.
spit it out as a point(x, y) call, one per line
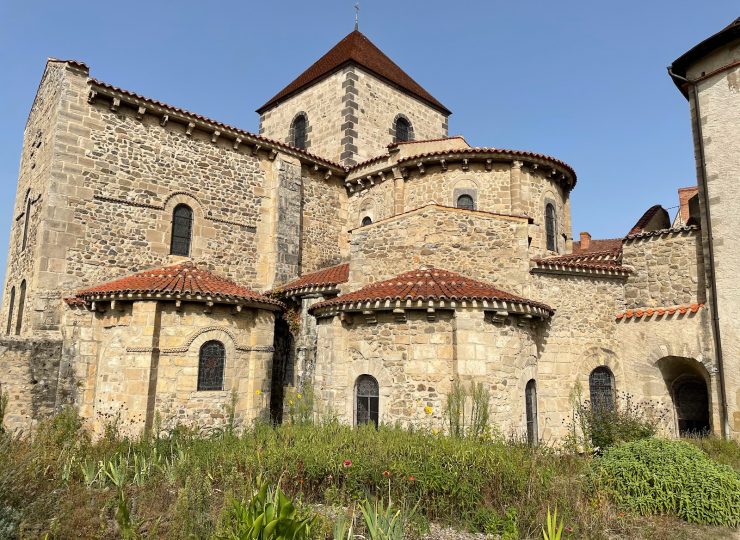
point(692, 406)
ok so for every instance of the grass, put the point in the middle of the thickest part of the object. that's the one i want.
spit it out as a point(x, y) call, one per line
point(181, 485)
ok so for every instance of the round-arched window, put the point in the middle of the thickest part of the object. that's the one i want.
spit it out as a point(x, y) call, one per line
point(367, 391)
point(601, 389)
point(367, 220)
point(550, 227)
point(182, 230)
point(402, 129)
point(211, 366)
point(465, 202)
point(530, 405)
point(299, 132)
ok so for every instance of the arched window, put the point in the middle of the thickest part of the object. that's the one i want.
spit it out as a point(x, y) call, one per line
point(530, 401)
point(182, 230)
point(211, 366)
point(465, 202)
point(550, 227)
point(367, 220)
point(10, 311)
point(298, 130)
point(601, 389)
point(402, 129)
point(367, 391)
point(21, 303)
point(26, 220)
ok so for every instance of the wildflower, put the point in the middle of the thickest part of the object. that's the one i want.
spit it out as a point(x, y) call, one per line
point(387, 474)
point(412, 479)
point(298, 396)
point(347, 463)
point(258, 391)
point(435, 431)
point(569, 529)
point(428, 409)
point(290, 402)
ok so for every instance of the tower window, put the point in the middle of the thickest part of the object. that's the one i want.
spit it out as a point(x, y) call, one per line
point(367, 392)
point(21, 304)
point(211, 366)
point(550, 227)
point(26, 220)
point(403, 129)
point(182, 229)
point(530, 399)
point(10, 311)
point(298, 130)
point(601, 389)
point(367, 220)
point(465, 202)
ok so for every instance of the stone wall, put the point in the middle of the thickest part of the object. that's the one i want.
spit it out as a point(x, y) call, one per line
point(579, 337)
point(416, 361)
point(478, 245)
point(351, 116)
point(34, 178)
point(29, 374)
point(716, 140)
point(668, 270)
point(321, 103)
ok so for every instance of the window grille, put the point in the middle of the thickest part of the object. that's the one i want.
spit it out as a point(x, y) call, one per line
point(211, 366)
point(182, 229)
point(530, 398)
point(465, 202)
point(367, 400)
point(601, 389)
point(299, 131)
point(550, 227)
point(403, 130)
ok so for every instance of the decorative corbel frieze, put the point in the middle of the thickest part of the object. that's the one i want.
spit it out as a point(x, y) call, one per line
point(140, 112)
point(165, 119)
point(327, 175)
point(404, 173)
point(431, 314)
point(273, 155)
point(208, 307)
point(189, 130)
point(255, 149)
point(215, 136)
point(420, 166)
point(115, 104)
point(465, 164)
point(91, 96)
point(499, 317)
point(370, 316)
point(489, 164)
point(443, 164)
point(237, 142)
point(399, 315)
point(315, 167)
point(370, 179)
point(237, 309)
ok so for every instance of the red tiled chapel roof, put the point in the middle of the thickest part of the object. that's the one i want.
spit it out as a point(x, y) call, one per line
point(333, 275)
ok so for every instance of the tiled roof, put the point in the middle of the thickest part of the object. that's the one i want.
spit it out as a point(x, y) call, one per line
point(355, 48)
point(325, 277)
point(421, 141)
point(661, 232)
point(607, 261)
point(645, 219)
point(607, 244)
point(184, 281)
point(186, 113)
point(647, 313)
point(428, 284)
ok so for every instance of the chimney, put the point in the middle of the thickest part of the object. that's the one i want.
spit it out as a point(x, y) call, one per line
point(585, 241)
point(684, 195)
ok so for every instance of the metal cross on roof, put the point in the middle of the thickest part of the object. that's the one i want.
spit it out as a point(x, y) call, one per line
point(357, 15)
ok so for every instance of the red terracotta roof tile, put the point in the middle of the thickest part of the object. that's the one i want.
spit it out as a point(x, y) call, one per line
point(181, 281)
point(646, 217)
point(607, 244)
point(358, 49)
point(658, 311)
point(333, 275)
point(607, 260)
point(429, 283)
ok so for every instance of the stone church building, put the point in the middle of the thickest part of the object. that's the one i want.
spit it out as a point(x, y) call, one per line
point(164, 266)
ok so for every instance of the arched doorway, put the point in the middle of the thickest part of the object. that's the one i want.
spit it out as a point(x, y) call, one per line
point(691, 399)
point(687, 382)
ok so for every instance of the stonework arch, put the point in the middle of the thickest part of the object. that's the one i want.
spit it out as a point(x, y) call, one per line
point(465, 186)
point(291, 131)
point(401, 116)
point(367, 209)
point(201, 229)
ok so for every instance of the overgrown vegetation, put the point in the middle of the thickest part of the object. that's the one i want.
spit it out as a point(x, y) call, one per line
point(466, 411)
point(654, 476)
point(184, 485)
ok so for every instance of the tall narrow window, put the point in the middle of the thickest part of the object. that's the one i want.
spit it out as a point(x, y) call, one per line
point(182, 230)
point(465, 202)
point(298, 130)
point(550, 227)
point(21, 303)
point(26, 220)
point(601, 389)
point(367, 391)
point(211, 366)
point(530, 400)
point(10, 311)
point(403, 129)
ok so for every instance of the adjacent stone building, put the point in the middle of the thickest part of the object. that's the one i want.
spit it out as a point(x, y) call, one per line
point(167, 268)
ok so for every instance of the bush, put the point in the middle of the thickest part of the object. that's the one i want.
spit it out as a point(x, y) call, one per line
point(600, 427)
point(722, 451)
point(655, 476)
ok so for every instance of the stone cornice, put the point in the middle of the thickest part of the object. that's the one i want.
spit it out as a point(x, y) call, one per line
point(661, 232)
point(93, 301)
point(617, 272)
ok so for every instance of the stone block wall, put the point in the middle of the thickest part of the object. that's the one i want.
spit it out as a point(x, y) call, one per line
point(478, 245)
point(668, 270)
point(29, 376)
point(716, 140)
point(416, 361)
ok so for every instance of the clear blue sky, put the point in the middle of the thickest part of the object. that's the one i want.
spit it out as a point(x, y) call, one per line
point(584, 81)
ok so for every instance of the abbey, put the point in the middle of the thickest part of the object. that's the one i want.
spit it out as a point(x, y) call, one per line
point(168, 268)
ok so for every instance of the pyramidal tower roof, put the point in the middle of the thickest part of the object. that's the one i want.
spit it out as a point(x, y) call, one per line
point(356, 48)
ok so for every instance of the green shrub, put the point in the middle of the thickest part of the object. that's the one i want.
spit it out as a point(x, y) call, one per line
point(722, 451)
point(655, 476)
